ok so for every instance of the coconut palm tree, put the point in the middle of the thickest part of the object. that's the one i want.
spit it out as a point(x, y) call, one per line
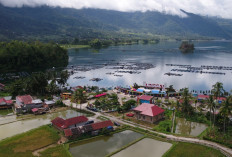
point(211, 106)
point(225, 111)
point(218, 90)
point(79, 96)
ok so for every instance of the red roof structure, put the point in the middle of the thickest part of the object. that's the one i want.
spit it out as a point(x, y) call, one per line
point(145, 97)
point(74, 120)
point(68, 132)
point(4, 101)
point(59, 122)
point(100, 125)
point(34, 109)
point(100, 95)
point(63, 124)
point(25, 99)
point(207, 96)
point(149, 109)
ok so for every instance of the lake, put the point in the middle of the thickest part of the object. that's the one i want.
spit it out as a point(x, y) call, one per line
point(185, 127)
point(101, 146)
point(145, 148)
point(96, 63)
point(14, 128)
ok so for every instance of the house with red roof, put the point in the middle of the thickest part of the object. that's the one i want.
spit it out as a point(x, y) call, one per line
point(62, 124)
point(101, 125)
point(148, 112)
point(145, 99)
point(5, 103)
point(26, 103)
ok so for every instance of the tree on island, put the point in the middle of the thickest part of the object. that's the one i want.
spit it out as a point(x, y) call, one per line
point(186, 46)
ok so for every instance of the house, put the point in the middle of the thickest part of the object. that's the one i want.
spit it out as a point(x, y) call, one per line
point(76, 88)
point(26, 103)
point(4, 103)
point(148, 112)
point(101, 125)
point(66, 95)
point(2, 87)
point(145, 99)
point(62, 124)
point(49, 103)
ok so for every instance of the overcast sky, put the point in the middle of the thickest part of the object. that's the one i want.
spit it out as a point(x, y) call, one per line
point(221, 8)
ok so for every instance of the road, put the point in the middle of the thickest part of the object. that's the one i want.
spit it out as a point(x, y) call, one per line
point(227, 151)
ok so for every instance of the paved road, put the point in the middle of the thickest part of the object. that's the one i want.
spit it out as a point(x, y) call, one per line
point(228, 151)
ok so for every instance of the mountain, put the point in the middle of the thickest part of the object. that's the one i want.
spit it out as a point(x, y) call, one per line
point(54, 23)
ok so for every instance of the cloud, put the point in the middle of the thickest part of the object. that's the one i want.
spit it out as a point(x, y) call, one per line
point(220, 8)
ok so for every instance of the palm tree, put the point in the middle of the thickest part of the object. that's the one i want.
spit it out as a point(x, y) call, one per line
point(79, 96)
point(211, 106)
point(225, 111)
point(218, 90)
point(186, 106)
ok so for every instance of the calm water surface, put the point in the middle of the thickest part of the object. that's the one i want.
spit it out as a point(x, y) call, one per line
point(145, 148)
point(11, 129)
point(206, 53)
point(189, 128)
point(102, 146)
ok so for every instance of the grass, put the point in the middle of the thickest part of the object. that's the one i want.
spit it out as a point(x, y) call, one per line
point(192, 150)
point(24, 144)
point(5, 112)
point(58, 151)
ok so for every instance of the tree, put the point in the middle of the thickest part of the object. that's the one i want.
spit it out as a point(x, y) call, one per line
point(136, 86)
point(128, 104)
point(79, 97)
point(225, 111)
point(186, 106)
point(218, 90)
point(63, 78)
point(211, 106)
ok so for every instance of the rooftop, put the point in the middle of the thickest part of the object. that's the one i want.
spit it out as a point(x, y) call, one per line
point(25, 99)
point(149, 109)
point(145, 97)
point(61, 123)
point(100, 125)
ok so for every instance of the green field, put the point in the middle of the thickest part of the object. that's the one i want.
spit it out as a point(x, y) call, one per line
point(58, 151)
point(24, 144)
point(192, 150)
point(5, 112)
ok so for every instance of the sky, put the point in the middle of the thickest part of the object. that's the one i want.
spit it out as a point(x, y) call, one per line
point(220, 8)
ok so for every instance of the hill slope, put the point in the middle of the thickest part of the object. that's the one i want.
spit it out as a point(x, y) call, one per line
point(57, 23)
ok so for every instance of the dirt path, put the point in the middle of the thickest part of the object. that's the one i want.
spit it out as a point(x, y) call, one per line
point(37, 152)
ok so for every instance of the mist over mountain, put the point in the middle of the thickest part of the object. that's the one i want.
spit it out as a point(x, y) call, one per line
point(54, 23)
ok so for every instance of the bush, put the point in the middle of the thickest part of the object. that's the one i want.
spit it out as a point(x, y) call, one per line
point(164, 126)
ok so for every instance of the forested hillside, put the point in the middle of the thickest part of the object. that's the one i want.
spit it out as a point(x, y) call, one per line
point(46, 23)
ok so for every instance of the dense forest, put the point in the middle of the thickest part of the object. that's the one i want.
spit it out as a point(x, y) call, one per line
point(18, 56)
point(54, 24)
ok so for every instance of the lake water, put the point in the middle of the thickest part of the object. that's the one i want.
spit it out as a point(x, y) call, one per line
point(210, 53)
point(145, 148)
point(189, 128)
point(14, 128)
point(101, 146)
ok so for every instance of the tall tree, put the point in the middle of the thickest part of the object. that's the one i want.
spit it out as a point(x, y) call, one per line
point(186, 106)
point(225, 111)
point(211, 107)
point(218, 90)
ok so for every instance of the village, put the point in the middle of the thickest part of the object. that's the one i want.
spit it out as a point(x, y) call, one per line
point(107, 111)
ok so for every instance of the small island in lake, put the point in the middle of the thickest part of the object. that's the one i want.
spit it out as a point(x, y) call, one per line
point(186, 46)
